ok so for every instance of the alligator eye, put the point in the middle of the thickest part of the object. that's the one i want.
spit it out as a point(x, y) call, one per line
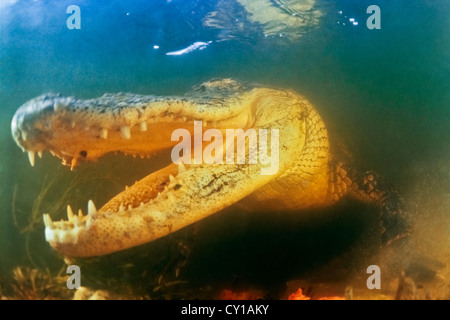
point(83, 153)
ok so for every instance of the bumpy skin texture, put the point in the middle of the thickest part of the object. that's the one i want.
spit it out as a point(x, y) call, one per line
point(179, 195)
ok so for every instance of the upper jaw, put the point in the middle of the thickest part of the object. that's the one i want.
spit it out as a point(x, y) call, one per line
point(84, 130)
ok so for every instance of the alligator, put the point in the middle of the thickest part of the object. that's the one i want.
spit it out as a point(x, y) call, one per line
point(310, 172)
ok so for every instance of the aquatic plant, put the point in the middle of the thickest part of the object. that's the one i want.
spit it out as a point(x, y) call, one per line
point(32, 284)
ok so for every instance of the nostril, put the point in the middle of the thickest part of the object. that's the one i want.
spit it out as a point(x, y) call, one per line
point(83, 153)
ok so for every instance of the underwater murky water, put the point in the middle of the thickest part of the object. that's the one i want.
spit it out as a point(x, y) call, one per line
point(385, 93)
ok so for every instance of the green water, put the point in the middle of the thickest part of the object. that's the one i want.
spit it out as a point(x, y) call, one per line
point(385, 93)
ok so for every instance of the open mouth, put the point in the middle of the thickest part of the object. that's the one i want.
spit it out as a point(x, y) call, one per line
point(77, 131)
point(173, 197)
point(84, 130)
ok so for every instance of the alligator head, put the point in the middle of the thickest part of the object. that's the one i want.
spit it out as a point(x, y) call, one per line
point(180, 194)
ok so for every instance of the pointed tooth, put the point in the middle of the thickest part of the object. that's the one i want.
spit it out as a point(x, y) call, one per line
point(126, 187)
point(40, 154)
point(52, 153)
point(80, 214)
point(48, 221)
point(76, 221)
point(130, 207)
point(143, 126)
point(181, 167)
point(70, 214)
point(184, 118)
point(91, 208)
point(73, 164)
point(24, 135)
point(141, 205)
point(73, 124)
point(31, 157)
point(104, 133)
point(121, 208)
point(172, 179)
point(204, 123)
point(125, 132)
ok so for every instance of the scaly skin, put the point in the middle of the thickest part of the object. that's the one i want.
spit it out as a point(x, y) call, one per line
point(179, 195)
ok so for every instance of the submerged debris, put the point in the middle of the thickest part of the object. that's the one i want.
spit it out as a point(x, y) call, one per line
point(32, 284)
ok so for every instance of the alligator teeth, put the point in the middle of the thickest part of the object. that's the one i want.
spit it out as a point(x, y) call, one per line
point(76, 221)
point(141, 205)
point(104, 133)
point(31, 157)
point(24, 135)
point(125, 132)
point(48, 221)
point(121, 208)
point(143, 126)
point(91, 208)
point(62, 224)
point(73, 163)
point(70, 214)
point(40, 154)
point(130, 207)
point(181, 167)
point(80, 214)
point(172, 179)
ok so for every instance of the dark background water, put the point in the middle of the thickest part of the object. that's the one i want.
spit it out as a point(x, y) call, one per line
point(384, 92)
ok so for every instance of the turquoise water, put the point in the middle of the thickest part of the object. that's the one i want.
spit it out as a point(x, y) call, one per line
point(385, 93)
